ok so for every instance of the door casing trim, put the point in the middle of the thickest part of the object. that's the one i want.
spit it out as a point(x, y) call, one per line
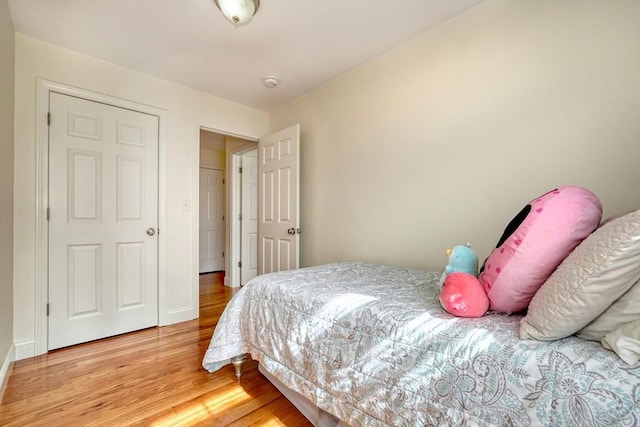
point(44, 88)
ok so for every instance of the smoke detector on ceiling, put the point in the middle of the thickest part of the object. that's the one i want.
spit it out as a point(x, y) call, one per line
point(271, 81)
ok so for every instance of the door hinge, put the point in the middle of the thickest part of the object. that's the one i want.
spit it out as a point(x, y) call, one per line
point(47, 309)
point(240, 169)
point(222, 254)
point(239, 217)
point(48, 214)
point(48, 119)
point(222, 181)
point(239, 264)
point(223, 217)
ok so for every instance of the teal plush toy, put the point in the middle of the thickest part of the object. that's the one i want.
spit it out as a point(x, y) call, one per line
point(461, 293)
point(461, 259)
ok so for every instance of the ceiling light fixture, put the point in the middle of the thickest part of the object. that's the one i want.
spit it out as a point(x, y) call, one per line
point(238, 12)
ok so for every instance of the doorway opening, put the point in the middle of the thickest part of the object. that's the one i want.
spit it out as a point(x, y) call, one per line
point(220, 202)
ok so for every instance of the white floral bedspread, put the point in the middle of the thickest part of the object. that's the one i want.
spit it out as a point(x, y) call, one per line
point(372, 345)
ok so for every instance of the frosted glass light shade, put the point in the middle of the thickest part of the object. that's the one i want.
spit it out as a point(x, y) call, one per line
point(238, 12)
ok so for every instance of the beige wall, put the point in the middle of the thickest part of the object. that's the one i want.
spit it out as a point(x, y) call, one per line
point(187, 111)
point(212, 159)
point(443, 139)
point(212, 150)
point(6, 190)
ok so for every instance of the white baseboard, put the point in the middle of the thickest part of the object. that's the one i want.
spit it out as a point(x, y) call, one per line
point(25, 349)
point(178, 315)
point(6, 369)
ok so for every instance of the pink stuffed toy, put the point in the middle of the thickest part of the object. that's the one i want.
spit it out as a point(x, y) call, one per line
point(462, 295)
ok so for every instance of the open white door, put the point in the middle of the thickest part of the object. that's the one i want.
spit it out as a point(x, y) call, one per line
point(249, 217)
point(279, 201)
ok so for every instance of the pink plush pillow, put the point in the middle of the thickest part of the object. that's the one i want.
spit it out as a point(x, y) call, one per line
point(535, 242)
point(463, 296)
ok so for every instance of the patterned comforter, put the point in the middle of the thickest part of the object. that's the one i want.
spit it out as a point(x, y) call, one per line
point(372, 345)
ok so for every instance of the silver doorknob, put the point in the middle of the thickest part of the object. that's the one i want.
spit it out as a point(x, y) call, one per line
point(291, 231)
point(151, 231)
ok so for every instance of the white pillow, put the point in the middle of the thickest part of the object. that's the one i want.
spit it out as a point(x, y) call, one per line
point(624, 310)
point(599, 270)
point(625, 341)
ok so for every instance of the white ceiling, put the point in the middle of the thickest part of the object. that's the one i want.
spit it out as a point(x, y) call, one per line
point(303, 42)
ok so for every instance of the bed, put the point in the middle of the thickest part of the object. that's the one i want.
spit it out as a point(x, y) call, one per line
point(362, 344)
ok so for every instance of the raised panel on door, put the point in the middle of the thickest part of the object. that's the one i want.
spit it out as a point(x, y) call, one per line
point(84, 280)
point(269, 199)
point(284, 255)
point(284, 195)
point(268, 256)
point(103, 196)
point(84, 185)
point(85, 125)
point(130, 188)
point(130, 277)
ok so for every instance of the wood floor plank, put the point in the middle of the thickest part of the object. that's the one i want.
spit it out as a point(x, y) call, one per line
point(151, 377)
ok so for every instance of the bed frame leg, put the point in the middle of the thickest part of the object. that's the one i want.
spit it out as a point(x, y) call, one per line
point(237, 364)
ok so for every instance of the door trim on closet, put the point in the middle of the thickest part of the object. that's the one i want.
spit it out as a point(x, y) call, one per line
point(44, 88)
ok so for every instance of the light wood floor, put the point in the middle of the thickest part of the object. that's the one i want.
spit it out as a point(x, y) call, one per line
point(151, 377)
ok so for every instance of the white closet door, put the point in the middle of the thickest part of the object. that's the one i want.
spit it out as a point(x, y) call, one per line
point(103, 196)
